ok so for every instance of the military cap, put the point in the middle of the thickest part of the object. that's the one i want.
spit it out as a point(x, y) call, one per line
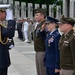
point(25, 18)
point(3, 7)
point(51, 20)
point(67, 20)
point(40, 10)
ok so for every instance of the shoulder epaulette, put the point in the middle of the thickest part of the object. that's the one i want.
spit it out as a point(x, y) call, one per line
point(74, 34)
point(5, 40)
point(2, 25)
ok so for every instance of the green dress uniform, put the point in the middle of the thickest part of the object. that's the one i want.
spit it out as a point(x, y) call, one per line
point(39, 47)
point(39, 43)
point(67, 51)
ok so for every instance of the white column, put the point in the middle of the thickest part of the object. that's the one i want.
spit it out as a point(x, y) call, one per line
point(44, 6)
point(17, 11)
point(72, 8)
point(12, 6)
point(4, 1)
point(36, 6)
point(23, 9)
point(10, 1)
point(30, 10)
point(51, 11)
point(65, 7)
point(58, 12)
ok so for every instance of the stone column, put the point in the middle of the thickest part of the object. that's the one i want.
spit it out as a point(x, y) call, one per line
point(72, 8)
point(23, 9)
point(36, 6)
point(12, 7)
point(51, 11)
point(4, 1)
point(17, 9)
point(44, 6)
point(65, 7)
point(10, 1)
point(58, 12)
point(30, 10)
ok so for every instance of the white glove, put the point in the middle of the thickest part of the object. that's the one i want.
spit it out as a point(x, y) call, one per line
point(9, 15)
point(11, 46)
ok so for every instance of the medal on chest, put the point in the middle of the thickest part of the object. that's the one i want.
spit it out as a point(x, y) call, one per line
point(66, 43)
point(50, 40)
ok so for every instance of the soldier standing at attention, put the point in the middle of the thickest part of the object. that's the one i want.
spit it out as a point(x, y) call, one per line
point(39, 43)
point(5, 33)
point(67, 46)
point(52, 54)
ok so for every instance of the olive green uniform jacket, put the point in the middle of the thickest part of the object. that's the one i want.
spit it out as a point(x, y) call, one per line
point(39, 43)
point(67, 51)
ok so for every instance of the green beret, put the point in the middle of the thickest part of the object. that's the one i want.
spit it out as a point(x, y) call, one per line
point(67, 20)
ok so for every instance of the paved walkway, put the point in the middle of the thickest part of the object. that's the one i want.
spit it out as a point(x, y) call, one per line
point(22, 58)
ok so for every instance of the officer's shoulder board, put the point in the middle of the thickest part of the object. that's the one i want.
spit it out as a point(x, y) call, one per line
point(2, 25)
point(74, 34)
point(71, 37)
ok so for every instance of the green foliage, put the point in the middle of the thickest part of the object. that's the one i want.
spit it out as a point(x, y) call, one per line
point(59, 3)
point(39, 1)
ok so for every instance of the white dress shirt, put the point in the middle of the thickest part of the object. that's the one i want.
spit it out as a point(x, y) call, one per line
point(26, 25)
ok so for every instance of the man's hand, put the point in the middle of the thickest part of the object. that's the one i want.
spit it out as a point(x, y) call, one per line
point(57, 70)
point(43, 27)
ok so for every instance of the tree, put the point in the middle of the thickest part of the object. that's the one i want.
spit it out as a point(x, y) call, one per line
point(38, 1)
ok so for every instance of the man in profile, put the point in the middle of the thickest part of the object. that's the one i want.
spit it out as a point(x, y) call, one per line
point(67, 46)
point(39, 43)
point(5, 33)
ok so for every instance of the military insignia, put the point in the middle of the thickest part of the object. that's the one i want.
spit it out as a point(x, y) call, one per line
point(47, 35)
point(37, 31)
point(62, 16)
point(66, 43)
point(67, 35)
point(74, 33)
point(50, 40)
